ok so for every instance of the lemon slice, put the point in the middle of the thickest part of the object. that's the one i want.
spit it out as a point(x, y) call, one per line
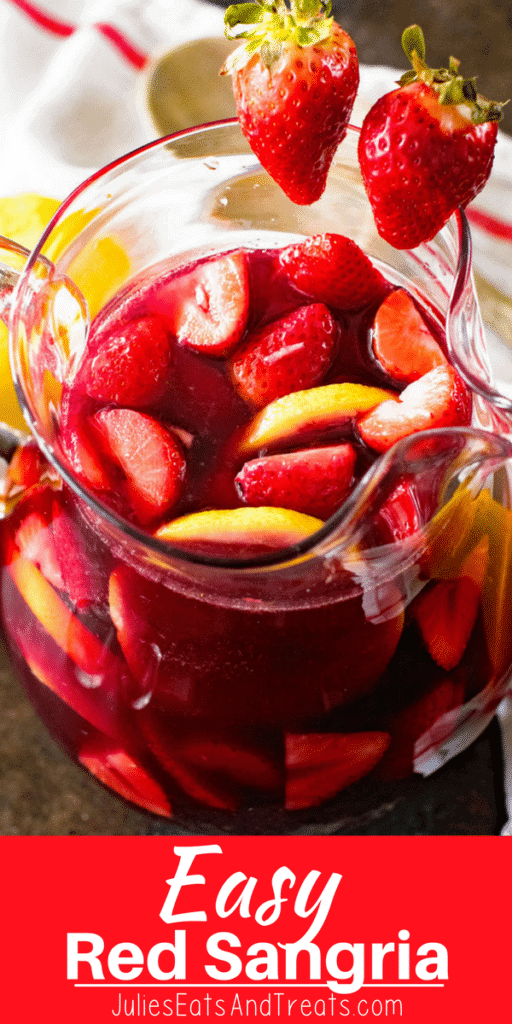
point(261, 527)
point(317, 409)
point(100, 268)
point(23, 219)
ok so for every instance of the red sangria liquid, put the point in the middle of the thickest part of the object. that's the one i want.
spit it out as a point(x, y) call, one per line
point(228, 408)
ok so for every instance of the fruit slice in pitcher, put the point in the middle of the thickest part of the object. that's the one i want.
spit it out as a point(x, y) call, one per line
point(207, 307)
point(95, 694)
point(214, 769)
point(47, 537)
point(311, 412)
point(438, 399)
point(26, 465)
point(401, 340)
point(84, 577)
point(149, 456)
point(251, 530)
point(35, 540)
point(319, 765)
point(290, 354)
point(128, 366)
point(333, 269)
point(96, 705)
point(239, 765)
point(446, 611)
point(198, 785)
point(118, 770)
point(408, 725)
point(68, 632)
point(314, 481)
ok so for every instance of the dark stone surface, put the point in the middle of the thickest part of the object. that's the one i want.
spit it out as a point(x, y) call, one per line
point(41, 791)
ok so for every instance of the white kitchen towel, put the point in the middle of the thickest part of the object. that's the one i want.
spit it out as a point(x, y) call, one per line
point(70, 85)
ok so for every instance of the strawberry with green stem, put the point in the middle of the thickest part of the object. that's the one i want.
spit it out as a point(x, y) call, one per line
point(295, 79)
point(426, 148)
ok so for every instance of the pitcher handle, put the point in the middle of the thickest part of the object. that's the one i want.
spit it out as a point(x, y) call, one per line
point(10, 272)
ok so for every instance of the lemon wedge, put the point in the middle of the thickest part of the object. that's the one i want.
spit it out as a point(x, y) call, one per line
point(261, 527)
point(23, 219)
point(100, 267)
point(317, 409)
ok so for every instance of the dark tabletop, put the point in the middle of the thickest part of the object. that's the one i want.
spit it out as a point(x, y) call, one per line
point(41, 791)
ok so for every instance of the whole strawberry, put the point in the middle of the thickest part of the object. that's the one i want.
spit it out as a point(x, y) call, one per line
point(426, 148)
point(294, 81)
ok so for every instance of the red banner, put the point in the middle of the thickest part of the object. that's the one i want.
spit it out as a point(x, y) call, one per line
point(105, 929)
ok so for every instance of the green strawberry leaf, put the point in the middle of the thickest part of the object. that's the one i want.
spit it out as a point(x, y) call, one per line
point(270, 23)
point(239, 15)
point(413, 41)
point(450, 86)
point(408, 77)
point(452, 92)
point(307, 9)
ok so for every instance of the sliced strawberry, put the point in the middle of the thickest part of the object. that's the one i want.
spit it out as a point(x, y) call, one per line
point(26, 465)
point(48, 538)
point(78, 447)
point(438, 399)
point(288, 355)
point(446, 612)
point(333, 269)
point(191, 779)
point(402, 341)
point(118, 770)
point(82, 578)
point(207, 308)
point(34, 539)
point(148, 455)
point(314, 481)
point(399, 516)
point(85, 460)
point(95, 704)
point(242, 765)
point(319, 765)
point(200, 788)
point(408, 725)
point(128, 366)
point(68, 632)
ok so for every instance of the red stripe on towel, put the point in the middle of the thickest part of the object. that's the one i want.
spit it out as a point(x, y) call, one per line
point(58, 27)
point(491, 225)
point(134, 56)
point(44, 20)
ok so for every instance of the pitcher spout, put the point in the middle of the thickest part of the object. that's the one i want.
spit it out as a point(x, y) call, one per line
point(405, 499)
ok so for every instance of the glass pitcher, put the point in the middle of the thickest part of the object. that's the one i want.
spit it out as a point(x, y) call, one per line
point(265, 694)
